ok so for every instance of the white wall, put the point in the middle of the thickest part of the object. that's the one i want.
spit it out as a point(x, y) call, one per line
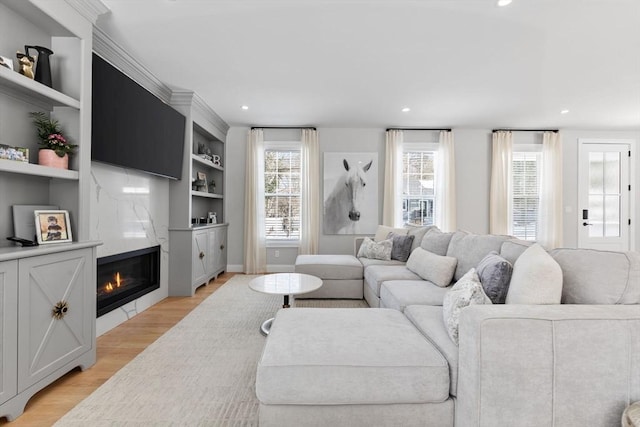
point(473, 172)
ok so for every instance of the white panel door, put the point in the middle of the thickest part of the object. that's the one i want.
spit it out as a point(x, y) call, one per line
point(604, 195)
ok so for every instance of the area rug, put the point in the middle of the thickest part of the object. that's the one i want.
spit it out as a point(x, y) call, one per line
point(199, 373)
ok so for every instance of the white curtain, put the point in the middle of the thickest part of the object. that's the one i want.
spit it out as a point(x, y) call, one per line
point(392, 206)
point(550, 209)
point(445, 209)
point(310, 189)
point(255, 251)
point(500, 200)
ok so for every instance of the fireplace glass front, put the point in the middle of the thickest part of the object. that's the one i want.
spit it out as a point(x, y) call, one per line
point(127, 276)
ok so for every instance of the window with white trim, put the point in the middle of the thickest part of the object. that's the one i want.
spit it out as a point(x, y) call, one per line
point(526, 168)
point(282, 196)
point(418, 183)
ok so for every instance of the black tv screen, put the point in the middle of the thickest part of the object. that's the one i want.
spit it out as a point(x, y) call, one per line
point(132, 128)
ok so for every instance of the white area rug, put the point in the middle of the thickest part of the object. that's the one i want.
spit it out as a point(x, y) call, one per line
point(199, 373)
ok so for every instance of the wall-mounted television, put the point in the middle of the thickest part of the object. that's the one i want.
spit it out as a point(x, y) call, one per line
point(132, 128)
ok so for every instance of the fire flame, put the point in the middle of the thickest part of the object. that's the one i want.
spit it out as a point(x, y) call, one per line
point(109, 287)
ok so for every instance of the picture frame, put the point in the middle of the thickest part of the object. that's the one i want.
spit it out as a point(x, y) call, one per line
point(52, 226)
point(202, 182)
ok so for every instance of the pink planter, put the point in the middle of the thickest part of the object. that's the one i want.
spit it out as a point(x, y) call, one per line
point(49, 158)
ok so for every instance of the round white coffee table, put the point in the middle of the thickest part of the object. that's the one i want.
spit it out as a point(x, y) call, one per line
point(284, 284)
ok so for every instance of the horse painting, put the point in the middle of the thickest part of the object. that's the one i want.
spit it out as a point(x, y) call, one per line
point(343, 205)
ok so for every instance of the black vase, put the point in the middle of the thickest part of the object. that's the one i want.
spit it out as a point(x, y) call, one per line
point(43, 67)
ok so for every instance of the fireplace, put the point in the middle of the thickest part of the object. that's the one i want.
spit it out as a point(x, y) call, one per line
point(127, 276)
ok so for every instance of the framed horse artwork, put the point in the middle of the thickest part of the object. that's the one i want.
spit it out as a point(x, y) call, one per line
point(350, 193)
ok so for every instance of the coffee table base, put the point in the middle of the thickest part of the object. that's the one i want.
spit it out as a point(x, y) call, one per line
point(266, 327)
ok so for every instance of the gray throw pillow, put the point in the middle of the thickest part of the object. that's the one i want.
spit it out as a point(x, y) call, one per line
point(435, 241)
point(401, 248)
point(495, 275)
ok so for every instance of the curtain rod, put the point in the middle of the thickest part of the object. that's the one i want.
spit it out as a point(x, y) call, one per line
point(444, 129)
point(526, 130)
point(283, 127)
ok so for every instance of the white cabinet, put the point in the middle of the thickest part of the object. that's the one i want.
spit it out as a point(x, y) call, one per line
point(197, 256)
point(48, 319)
point(8, 329)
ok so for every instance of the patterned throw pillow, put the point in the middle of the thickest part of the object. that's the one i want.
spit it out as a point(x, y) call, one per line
point(401, 248)
point(376, 250)
point(495, 276)
point(467, 291)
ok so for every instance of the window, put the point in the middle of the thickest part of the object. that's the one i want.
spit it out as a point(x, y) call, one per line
point(418, 183)
point(282, 191)
point(526, 194)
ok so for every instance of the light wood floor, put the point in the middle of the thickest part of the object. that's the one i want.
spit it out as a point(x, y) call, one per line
point(115, 349)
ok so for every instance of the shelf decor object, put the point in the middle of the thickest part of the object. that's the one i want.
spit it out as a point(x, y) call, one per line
point(56, 148)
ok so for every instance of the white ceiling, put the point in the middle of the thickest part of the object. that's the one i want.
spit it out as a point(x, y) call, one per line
point(357, 63)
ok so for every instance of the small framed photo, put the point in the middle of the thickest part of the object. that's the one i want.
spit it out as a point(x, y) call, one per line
point(201, 182)
point(52, 226)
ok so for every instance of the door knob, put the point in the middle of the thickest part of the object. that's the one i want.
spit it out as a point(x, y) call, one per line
point(585, 223)
point(201, 255)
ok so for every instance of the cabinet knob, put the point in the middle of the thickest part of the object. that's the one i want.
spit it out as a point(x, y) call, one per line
point(201, 255)
point(60, 309)
point(221, 247)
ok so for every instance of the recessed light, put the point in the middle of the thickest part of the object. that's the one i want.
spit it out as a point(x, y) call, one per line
point(406, 109)
point(245, 107)
point(564, 112)
point(504, 2)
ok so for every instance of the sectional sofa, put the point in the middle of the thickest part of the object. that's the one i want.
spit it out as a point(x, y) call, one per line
point(529, 362)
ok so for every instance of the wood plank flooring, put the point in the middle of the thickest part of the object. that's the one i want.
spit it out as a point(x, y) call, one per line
point(115, 349)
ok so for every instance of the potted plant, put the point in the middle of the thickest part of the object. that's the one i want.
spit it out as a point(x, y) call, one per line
point(55, 149)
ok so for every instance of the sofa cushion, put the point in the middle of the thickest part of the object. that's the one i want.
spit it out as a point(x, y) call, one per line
point(469, 249)
point(334, 356)
point(376, 250)
point(599, 277)
point(398, 294)
point(366, 262)
point(374, 275)
point(495, 274)
point(511, 249)
point(436, 241)
point(428, 320)
point(383, 231)
point(431, 267)
point(418, 232)
point(401, 246)
point(536, 278)
point(334, 267)
point(467, 291)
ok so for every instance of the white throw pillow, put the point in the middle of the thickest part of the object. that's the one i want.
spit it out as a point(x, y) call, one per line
point(376, 250)
point(467, 291)
point(536, 278)
point(434, 268)
point(383, 231)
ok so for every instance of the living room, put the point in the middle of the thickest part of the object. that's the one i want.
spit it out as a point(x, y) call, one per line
point(416, 67)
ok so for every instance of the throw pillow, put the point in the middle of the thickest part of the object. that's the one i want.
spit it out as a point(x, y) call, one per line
point(495, 275)
point(436, 241)
point(376, 250)
point(465, 292)
point(536, 278)
point(401, 246)
point(418, 231)
point(383, 231)
point(431, 267)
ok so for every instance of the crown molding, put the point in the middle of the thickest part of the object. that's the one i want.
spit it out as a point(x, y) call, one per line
point(90, 9)
point(108, 49)
point(188, 98)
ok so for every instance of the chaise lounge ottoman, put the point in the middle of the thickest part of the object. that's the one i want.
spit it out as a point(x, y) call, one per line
point(351, 367)
point(341, 275)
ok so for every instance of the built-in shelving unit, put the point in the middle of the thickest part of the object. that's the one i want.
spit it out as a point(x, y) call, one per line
point(198, 247)
point(36, 349)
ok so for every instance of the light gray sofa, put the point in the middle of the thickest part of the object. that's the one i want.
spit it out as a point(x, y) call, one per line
point(570, 364)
